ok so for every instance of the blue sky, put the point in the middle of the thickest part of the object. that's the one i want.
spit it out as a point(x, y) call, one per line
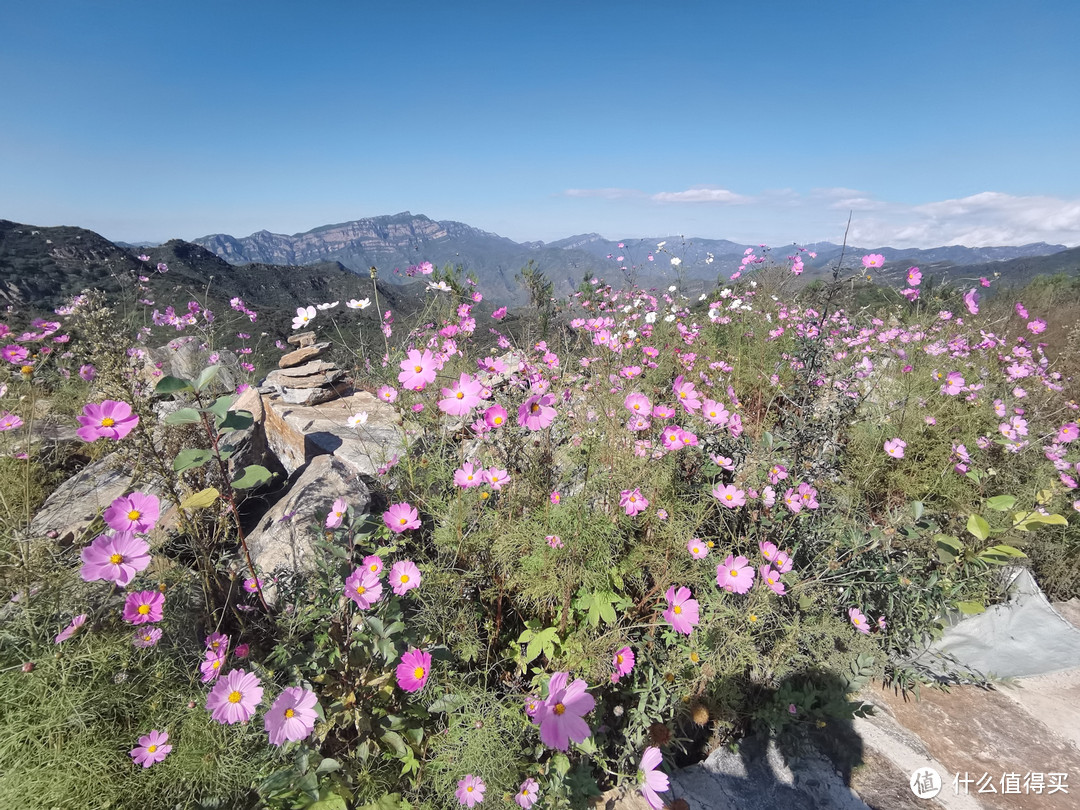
point(933, 122)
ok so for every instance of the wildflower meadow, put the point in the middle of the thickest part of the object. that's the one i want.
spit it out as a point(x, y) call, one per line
point(629, 526)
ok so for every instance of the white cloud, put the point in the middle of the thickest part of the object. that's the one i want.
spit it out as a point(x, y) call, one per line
point(988, 218)
point(706, 194)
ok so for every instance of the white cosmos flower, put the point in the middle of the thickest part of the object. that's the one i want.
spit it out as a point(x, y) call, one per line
point(660, 244)
point(442, 285)
point(358, 420)
point(303, 316)
point(672, 288)
point(669, 318)
point(675, 261)
point(363, 303)
point(650, 317)
point(327, 306)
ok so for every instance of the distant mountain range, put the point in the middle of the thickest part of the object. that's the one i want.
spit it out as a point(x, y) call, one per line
point(404, 239)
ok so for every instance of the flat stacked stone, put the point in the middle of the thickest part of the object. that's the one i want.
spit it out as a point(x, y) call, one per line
point(302, 378)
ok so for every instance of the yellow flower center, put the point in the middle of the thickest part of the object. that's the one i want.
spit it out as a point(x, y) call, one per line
point(678, 610)
point(374, 568)
point(27, 369)
point(360, 590)
point(460, 395)
point(637, 407)
point(234, 696)
point(108, 421)
point(619, 658)
point(534, 407)
point(151, 749)
point(289, 713)
point(734, 572)
point(682, 395)
point(498, 420)
point(144, 609)
point(418, 673)
point(695, 657)
point(485, 495)
point(402, 521)
point(468, 789)
point(418, 369)
point(404, 578)
point(728, 497)
point(116, 559)
point(134, 514)
point(559, 709)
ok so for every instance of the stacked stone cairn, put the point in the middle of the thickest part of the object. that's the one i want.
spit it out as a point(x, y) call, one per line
point(301, 378)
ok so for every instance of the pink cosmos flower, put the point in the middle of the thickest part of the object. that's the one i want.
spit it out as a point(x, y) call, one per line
point(213, 665)
point(115, 558)
point(144, 607)
point(873, 260)
point(137, 512)
point(234, 698)
point(859, 620)
point(730, 496)
point(556, 498)
point(404, 576)
point(698, 550)
point(650, 780)
point(470, 790)
point(768, 497)
point(771, 578)
point(499, 314)
point(495, 416)
point(894, 448)
point(87, 372)
point(401, 516)
point(561, 716)
point(914, 276)
point(736, 575)
point(292, 717)
point(468, 476)
point(768, 550)
point(623, 661)
point(496, 477)
point(147, 637)
point(412, 672)
point(109, 420)
point(152, 748)
point(536, 413)
point(373, 563)
point(218, 642)
point(71, 629)
point(714, 413)
point(1037, 326)
point(669, 437)
point(685, 394)
point(881, 623)
point(417, 370)
point(633, 501)
point(10, 421)
point(337, 513)
point(387, 393)
point(1068, 433)
point(971, 301)
point(808, 496)
point(1021, 311)
point(363, 587)
point(242, 651)
point(554, 541)
point(527, 794)
point(682, 611)
point(461, 397)
point(15, 354)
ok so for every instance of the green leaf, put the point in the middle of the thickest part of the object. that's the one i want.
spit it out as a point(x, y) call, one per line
point(252, 476)
point(206, 375)
point(1001, 503)
point(948, 547)
point(447, 703)
point(237, 420)
point(220, 408)
point(978, 526)
point(184, 416)
point(172, 385)
point(917, 508)
point(328, 765)
point(191, 457)
point(1000, 555)
point(971, 608)
point(331, 802)
point(394, 740)
point(561, 764)
point(1023, 521)
point(201, 499)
